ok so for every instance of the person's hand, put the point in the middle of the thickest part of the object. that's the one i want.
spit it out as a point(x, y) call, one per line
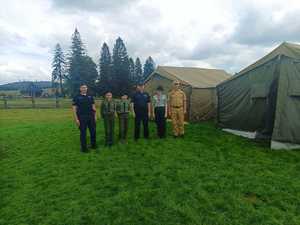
point(77, 122)
point(95, 118)
point(133, 115)
point(166, 115)
point(184, 111)
point(149, 115)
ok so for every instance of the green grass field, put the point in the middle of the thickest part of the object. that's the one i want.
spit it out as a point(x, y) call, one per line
point(209, 177)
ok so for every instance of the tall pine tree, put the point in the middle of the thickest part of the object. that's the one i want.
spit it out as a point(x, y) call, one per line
point(58, 72)
point(89, 74)
point(121, 71)
point(131, 70)
point(138, 71)
point(105, 70)
point(149, 67)
point(81, 68)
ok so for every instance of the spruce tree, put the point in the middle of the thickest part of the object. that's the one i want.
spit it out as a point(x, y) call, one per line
point(121, 71)
point(131, 70)
point(105, 70)
point(149, 67)
point(138, 71)
point(58, 72)
point(81, 68)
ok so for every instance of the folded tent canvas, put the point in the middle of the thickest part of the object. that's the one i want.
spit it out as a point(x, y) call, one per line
point(264, 98)
point(199, 85)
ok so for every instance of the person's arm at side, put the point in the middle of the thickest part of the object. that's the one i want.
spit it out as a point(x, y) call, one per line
point(149, 106)
point(153, 103)
point(95, 111)
point(74, 108)
point(166, 107)
point(184, 103)
point(132, 109)
point(169, 105)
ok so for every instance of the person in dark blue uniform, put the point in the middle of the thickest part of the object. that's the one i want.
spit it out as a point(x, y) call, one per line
point(141, 106)
point(84, 110)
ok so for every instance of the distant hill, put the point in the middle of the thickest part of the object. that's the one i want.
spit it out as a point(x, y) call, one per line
point(24, 84)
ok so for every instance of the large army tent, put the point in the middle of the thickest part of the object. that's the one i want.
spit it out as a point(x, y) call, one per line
point(264, 98)
point(198, 84)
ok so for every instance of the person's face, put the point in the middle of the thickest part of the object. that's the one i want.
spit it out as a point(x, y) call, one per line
point(124, 97)
point(176, 85)
point(108, 96)
point(140, 87)
point(83, 89)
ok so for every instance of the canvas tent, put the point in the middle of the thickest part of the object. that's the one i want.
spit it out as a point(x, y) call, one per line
point(198, 84)
point(264, 98)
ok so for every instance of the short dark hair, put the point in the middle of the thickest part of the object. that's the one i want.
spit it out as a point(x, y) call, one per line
point(82, 84)
point(106, 92)
point(160, 88)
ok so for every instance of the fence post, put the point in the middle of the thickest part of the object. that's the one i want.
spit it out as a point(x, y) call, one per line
point(56, 102)
point(5, 103)
point(33, 101)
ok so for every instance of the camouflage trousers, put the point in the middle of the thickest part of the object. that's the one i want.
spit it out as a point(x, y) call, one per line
point(177, 117)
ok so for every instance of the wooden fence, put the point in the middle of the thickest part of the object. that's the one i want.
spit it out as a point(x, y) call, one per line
point(27, 103)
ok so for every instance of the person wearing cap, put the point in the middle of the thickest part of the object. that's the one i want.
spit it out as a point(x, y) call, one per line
point(84, 111)
point(123, 109)
point(160, 111)
point(177, 109)
point(141, 111)
point(108, 111)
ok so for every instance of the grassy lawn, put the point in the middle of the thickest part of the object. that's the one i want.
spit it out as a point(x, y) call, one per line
point(209, 177)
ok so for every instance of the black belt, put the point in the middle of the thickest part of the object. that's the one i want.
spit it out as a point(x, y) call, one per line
point(177, 107)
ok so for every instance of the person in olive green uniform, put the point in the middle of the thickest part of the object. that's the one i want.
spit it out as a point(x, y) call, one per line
point(123, 109)
point(108, 110)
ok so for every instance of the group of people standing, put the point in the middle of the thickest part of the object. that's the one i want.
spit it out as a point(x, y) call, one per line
point(142, 106)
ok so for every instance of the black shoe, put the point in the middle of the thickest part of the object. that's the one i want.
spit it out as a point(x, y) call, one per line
point(174, 136)
point(84, 150)
point(94, 147)
point(182, 136)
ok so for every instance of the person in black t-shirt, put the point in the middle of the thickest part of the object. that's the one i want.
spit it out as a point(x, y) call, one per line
point(84, 110)
point(141, 107)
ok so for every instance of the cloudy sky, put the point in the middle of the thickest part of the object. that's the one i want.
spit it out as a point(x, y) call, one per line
point(226, 34)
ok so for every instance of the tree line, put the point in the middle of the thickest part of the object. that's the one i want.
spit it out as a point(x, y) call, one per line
point(116, 71)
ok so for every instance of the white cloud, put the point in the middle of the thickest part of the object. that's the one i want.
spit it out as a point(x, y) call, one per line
point(223, 34)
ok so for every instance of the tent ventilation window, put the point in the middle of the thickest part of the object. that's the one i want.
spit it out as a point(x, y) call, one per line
point(294, 90)
point(259, 91)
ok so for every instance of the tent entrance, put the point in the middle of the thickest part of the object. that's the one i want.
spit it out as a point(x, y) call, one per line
point(266, 130)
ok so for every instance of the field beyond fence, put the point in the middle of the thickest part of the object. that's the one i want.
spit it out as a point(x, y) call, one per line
point(28, 102)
